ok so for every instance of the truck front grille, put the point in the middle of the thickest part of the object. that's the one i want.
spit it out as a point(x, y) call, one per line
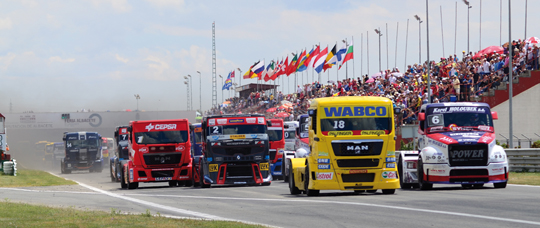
point(162, 158)
point(358, 163)
point(358, 177)
point(369, 148)
point(468, 155)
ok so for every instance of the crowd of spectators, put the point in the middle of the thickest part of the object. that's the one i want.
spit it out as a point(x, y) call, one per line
point(453, 79)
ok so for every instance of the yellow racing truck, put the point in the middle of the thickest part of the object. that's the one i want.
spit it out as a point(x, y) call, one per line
point(352, 145)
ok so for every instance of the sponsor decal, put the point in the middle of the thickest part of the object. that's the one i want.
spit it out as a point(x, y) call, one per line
point(131, 174)
point(180, 148)
point(209, 159)
point(211, 122)
point(373, 132)
point(162, 169)
point(390, 165)
point(277, 173)
point(389, 175)
point(340, 133)
point(236, 120)
point(368, 111)
point(183, 177)
point(276, 125)
point(467, 154)
point(237, 136)
point(238, 157)
point(355, 171)
point(258, 157)
point(436, 129)
point(143, 149)
point(497, 170)
point(221, 121)
point(142, 179)
point(323, 161)
point(267, 157)
point(437, 171)
point(321, 154)
point(260, 120)
point(219, 158)
point(213, 168)
point(325, 176)
point(215, 144)
point(459, 109)
point(240, 182)
point(163, 178)
point(436, 143)
point(390, 153)
point(215, 137)
point(485, 128)
point(150, 127)
point(357, 148)
point(324, 166)
point(390, 159)
point(264, 166)
point(250, 120)
point(123, 130)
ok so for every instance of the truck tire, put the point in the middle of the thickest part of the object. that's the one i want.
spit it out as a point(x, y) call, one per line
point(400, 173)
point(173, 183)
point(500, 185)
point(388, 191)
point(201, 179)
point(113, 178)
point(266, 183)
point(308, 191)
point(421, 184)
point(123, 184)
point(195, 182)
point(292, 186)
point(283, 174)
point(133, 185)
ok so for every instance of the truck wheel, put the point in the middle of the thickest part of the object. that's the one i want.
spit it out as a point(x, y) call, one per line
point(195, 182)
point(201, 179)
point(123, 184)
point(292, 185)
point(173, 183)
point(283, 174)
point(113, 178)
point(421, 184)
point(188, 183)
point(308, 191)
point(388, 191)
point(500, 185)
point(400, 173)
point(266, 183)
point(133, 185)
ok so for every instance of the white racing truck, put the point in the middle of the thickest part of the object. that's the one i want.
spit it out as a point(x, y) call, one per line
point(456, 146)
point(290, 148)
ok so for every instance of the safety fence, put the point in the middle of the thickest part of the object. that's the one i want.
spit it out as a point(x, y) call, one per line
point(524, 160)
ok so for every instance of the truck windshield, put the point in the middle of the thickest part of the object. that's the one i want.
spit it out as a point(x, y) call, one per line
point(161, 137)
point(275, 135)
point(82, 143)
point(198, 137)
point(356, 124)
point(289, 135)
point(455, 120)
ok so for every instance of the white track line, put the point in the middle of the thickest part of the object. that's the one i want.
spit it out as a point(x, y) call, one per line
point(353, 203)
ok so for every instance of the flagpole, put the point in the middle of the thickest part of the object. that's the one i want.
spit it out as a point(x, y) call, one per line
point(346, 64)
point(361, 54)
point(395, 52)
point(406, 43)
point(367, 54)
point(386, 47)
point(352, 40)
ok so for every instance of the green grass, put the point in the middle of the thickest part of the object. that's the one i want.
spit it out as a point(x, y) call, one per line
point(32, 178)
point(524, 178)
point(26, 215)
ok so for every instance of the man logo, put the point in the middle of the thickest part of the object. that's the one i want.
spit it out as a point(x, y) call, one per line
point(238, 157)
point(162, 160)
point(149, 127)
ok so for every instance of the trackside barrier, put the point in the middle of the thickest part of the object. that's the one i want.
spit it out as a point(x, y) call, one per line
point(524, 160)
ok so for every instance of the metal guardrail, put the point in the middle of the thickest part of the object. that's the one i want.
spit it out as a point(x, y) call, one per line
point(524, 160)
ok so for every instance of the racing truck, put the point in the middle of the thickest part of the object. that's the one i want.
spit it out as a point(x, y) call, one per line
point(302, 132)
point(456, 146)
point(159, 151)
point(196, 151)
point(352, 146)
point(276, 138)
point(290, 141)
point(7, 164)
point(82, 152)
point(235, 150)
point(120, 154)
point(58, 152)
point(106, 148)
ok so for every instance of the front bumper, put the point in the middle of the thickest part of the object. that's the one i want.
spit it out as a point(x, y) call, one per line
point(444, 174)
point(355, 179)
point(141, 174)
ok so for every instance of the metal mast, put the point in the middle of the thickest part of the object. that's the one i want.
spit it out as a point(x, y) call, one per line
point(214, 80)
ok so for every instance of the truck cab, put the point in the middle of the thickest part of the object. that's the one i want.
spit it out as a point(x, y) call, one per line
point(196, 151)
point(120, 152)
point(352, 144)
point(302, 133)
point(58, 152)
point(290, 151)
point(82, 152)
point(457, 146)
point(235, 150)
point(276, 138)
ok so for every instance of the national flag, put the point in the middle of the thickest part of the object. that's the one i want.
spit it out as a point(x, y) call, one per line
point(310, 61)
point(301, 63)
point(335, 94)
point(340, 54)
point(232, 74)
point(276, 70)
point(266, 73)
point(249, 73)
point(292, 66)
point(348, 55)
point(228, 82)
point(272, 69)
point(319, 61)
point(331, 59)
point(283, 67)
point(257, 69)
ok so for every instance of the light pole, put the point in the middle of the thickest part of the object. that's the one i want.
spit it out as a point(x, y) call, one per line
point(137, 97)
point(200, 92)
point(239, 76)
point(468, 9)
point(189, 92)
point(221, 88)
point(378, 31)
point(419, 39)
point(188, 102)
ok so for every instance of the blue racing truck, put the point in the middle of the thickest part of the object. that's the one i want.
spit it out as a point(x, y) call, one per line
point(82, 152)
point(196, 151)
point(120, 155)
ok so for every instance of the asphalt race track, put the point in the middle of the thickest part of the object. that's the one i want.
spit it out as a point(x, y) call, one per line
point(445, 206)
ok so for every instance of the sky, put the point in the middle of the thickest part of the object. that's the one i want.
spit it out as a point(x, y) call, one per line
point(64, 56)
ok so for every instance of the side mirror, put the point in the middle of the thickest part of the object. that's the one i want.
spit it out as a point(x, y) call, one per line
point(421, 116)
point(311, 112)
point(268, 123)
point(494, 115)
point(285, 126)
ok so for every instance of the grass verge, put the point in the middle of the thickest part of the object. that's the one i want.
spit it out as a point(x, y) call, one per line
point(32, 178)
point(524, 178)
point(26, 215)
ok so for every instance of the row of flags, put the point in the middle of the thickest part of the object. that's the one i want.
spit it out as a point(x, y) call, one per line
point(319, 60)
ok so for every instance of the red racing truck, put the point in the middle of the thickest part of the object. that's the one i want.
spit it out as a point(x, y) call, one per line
point(277, 147)
point(235, 150)
point(159, 151)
